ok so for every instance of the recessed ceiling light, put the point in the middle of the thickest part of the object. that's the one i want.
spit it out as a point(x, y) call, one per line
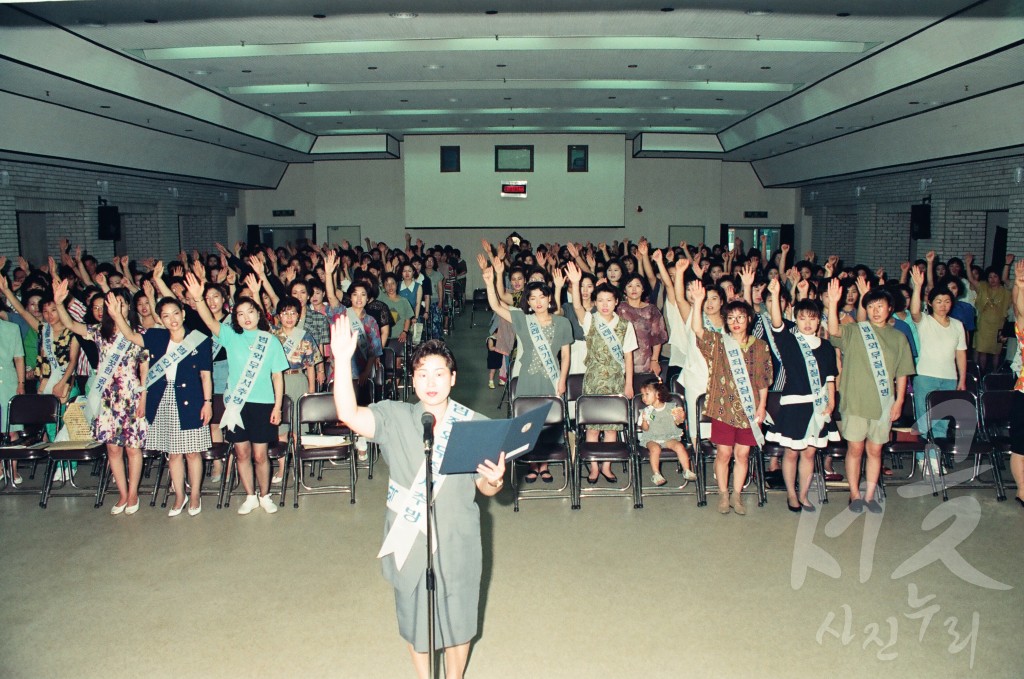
point(152, 21)
point(631, 66)
point(267, 105)
point(371, 68)
point(502, 65)
point(840, 127)
point(302, 103)
point(934, 103)
point(668, 9)
point(719, 99)
point(199, 71)
point(511, 118)
point(246, 70)
point(188, 129)
point(913, 103)
point(465, 120)
point(319, 16)
point(758, 12)
point(597, 119)
point(766, 68)
point(403, 15)
point(104, 106)
point(508, 98)
point(92, 23)
point(664, 97)
point(842, 14)
point(611, 97)
point(699, 67)
point(491, 11)
point(453, 99)
point(404, 101)
point(434, 67)
point(642, 118)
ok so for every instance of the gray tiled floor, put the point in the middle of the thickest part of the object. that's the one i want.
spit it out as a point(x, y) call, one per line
point(608, 591)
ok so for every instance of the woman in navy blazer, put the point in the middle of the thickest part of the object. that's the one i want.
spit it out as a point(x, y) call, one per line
point(178, 418)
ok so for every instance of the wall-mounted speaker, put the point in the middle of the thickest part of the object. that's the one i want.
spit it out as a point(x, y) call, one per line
point(920, 221)
point(109, 220)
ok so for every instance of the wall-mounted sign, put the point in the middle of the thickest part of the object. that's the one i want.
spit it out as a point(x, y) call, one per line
point(513, 189)
point(284, 213)
point(755, 214)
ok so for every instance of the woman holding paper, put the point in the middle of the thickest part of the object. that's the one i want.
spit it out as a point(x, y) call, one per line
point(117, 401)
point(397, 427)
point(252, 402)
point(544, 340)
point(179, 416)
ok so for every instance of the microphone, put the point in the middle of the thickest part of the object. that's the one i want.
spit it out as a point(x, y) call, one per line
point(428, 429)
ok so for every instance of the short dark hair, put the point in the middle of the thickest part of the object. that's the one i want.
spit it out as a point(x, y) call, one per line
point(164, 301)
point(545, 290)
point(261, 325)
point(607, 287)
point(664, 395)
point(289, 302)
point(811, 307)
point(434, 347)
point(877, 295)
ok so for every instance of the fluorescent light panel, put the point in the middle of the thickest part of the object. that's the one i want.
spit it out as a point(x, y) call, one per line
point(516, 111)
point(505, 44)
point(431, 85)
point(514, 129)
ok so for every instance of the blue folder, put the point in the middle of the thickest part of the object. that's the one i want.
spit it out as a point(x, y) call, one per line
point(473, 442)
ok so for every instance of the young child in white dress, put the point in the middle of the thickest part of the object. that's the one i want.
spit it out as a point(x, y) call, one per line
point(659, 428)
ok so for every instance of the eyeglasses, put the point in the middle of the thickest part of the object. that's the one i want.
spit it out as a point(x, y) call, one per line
point(289, 313)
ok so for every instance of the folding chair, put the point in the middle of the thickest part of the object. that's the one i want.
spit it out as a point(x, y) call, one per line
point(552, 449)
point(997, 411)
point(904, 438)
point(219, 452)
point(593, 410)
point(963, 436)
point(667, 456)
point(80, 449)
point(998, 382)
point(706, 450)
point(573, 390)
point(337, 447)
point(33, 412)
point(479, 304)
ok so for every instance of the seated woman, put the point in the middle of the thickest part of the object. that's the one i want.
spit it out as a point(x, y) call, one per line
point(740, 368)
point(178, 417)
point(397, 427)
point(804, 421)
point(610, 344)
point(544, 339)
point(252, 402)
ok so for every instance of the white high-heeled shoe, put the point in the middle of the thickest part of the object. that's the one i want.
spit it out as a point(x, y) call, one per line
point(193, 512)
point(177, 510)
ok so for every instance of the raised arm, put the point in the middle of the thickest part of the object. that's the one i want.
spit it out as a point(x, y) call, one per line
point(60, 293)
point(917, 280)
point(115, 308)
point(358, 418)
point(497, 306)
point(643, 249)
point(864, 287)
point(972, 278)
point(1018, 293)
point(499, 278)
point(775, 305)
point(330, 266)
point(16, 304)
point(747, 278)
point(930, 271)
point(195, 289)
point(834, 293)
point(698, 293)
point(679, 288)
point(158, 280)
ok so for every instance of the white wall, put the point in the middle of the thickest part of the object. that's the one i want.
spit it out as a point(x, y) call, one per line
point(555, 197)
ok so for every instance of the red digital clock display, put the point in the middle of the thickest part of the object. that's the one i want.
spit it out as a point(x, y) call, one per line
point(515, 189)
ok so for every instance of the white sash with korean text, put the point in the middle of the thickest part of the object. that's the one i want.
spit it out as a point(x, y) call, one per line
point(236, 398)
point(362, 341)
point(543, 349)
point(409, 504)
point(172, 358)
point(292, 342)
point(56, 369)
point(876, 360)
point(215, 347)
point(608, 335)
point(744, 387)
point(818, 416)
point(769, 336)
point(104, 373)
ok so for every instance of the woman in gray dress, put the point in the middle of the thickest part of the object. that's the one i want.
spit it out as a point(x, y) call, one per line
point(397, 427)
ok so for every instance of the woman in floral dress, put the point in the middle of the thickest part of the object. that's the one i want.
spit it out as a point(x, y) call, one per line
point(651, 331)
point(121, 419)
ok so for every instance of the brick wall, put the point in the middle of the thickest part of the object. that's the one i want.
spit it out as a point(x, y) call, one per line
point(150, 210)
point(874, 227)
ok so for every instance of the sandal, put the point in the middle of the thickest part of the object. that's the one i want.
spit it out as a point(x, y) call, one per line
point(546, 476)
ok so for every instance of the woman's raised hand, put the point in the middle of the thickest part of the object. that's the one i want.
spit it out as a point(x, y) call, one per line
point(574, 273)
point(343, 342)
point(194, 287)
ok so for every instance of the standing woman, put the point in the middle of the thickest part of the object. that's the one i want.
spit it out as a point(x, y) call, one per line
point(544, 340)
point(178, 417)
point(215, 296)
point(740, 373)
point(992, 303)
point(1017, 423)
point(303, 356)
point(397, 427)
point(12, 378)
point(611, 342)
point(411, 290)
point(252, 402)
point(117, 400)
point(647, 321)
point(804, 422)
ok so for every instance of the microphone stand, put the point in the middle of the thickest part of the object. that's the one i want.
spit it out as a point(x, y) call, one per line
point(428, 451)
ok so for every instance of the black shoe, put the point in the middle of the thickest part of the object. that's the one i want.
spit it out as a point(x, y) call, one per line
point(874, 507)
point(1019, 501)
point(546, 477)
point(528, 478)
point(857, 506)
point(795, 510)
point(808, 507)
point(592, 479)
point(610, 479)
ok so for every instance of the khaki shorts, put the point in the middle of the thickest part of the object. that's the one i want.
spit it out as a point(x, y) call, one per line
point(856, 429)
